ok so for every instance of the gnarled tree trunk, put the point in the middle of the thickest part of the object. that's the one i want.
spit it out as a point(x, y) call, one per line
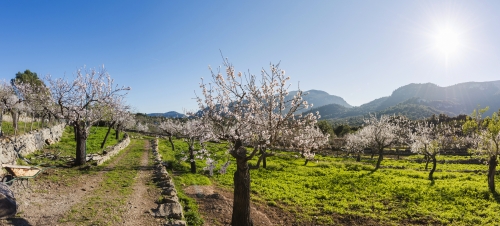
point(117, 132)
point(380, 158)
point(492, 165)
point(1, 120)
point(81, 145)
point(107, 133)
point(171, 142)
point(426, 162)
point(191, 159)
point(241, 201)
point(15, 120)
point(434, 163)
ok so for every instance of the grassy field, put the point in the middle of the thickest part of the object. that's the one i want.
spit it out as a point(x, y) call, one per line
point(22, 127)
point(339, 190)
point(333, 190)
point(66, 147)
point(106, 204)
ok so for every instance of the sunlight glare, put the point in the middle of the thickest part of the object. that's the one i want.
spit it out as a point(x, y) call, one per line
point(447, 41)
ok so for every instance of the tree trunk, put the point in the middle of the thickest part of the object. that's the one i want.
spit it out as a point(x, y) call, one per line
point(305, 163)
point(76, 133)
point(1, 120)
point(32, 120)
point(380, 157)
point(171, 143)
point(358, 158)
point(106, 137)
point(117, 132)
point(191, 159)
point(434, 163)
point(81, 145)
point(263, 157)
point(492, 165)
point(14, 120)
point(373, 153)
point(426, 162)
point(241, 201)
point(264, 161)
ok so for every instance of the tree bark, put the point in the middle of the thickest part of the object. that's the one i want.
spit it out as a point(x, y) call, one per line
point(14, 120)
point(171, 142)
point(191, 159)
point(492, 165)
point(434, 163)
point(81, 145)
point(32, 120)
point(1, 120)
point(263, 158)
point(380, 158)
point(117, 132)
point(106, 137)
point(76, 133)
point(358, 158)
point(426, 162)
point(241, 201)
point(305, 163)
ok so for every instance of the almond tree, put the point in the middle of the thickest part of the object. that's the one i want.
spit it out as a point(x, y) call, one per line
point(431, 139)
point(195, 130)
point(36, 96)
point(142, 127)
point(244, 111)
point(124, 121)
point(305, 140)
point(356, 143)
point(380, 133)
point(10, 102)
point(484, 137)
point(83, 101)
point(5, 94)
point(115, 113)
point(171, 127)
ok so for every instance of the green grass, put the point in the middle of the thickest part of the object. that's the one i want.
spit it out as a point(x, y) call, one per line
point(184, 178)
point(334, 190)
point(66, 147)
point(22, 127)
point(106, 204)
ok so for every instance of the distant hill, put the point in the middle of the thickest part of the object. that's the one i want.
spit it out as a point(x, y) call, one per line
point(461, 98)
point(415, 101)
point(418, 101)
point(320, 98)
point(170, 114)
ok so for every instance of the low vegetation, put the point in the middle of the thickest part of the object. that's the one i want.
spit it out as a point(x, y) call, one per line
point(59, 153)
point(107, 203)
point(339, 190)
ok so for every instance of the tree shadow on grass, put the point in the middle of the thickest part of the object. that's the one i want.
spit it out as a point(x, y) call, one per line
point(496, 196)
point(18, 221)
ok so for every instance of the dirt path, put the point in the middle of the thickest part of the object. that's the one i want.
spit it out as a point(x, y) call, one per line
point(144, 196)
point(56, 194)
point(216, 207)
point(45, 202)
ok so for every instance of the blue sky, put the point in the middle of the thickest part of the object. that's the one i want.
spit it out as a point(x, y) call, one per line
point(358, 50)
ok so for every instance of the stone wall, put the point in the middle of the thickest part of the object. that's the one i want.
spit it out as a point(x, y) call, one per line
point(115, 149)
point(32, 141)
point(170, 208)
point(22, 118)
